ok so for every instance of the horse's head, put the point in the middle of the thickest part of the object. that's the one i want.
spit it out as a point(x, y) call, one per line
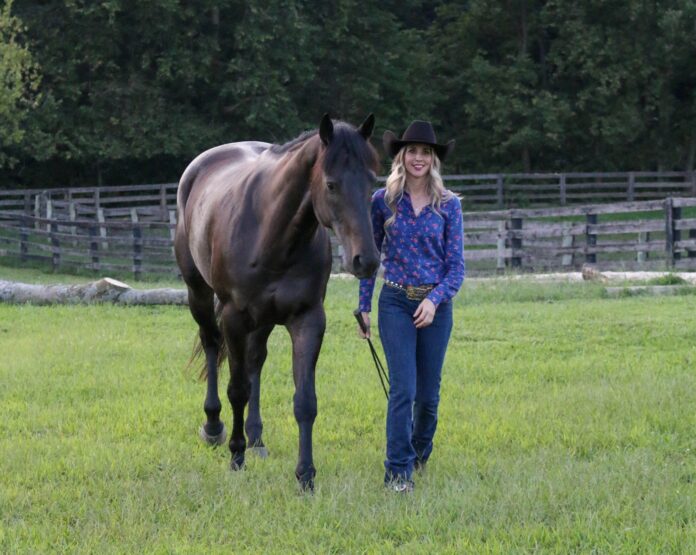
point(342, 189)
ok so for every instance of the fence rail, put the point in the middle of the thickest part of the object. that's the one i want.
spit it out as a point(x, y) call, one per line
point(477, 191)
point(629, 235)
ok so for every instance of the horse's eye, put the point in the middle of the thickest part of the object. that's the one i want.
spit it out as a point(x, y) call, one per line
point(331, 185)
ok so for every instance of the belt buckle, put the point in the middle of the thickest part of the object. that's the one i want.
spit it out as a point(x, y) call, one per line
point(417, 292)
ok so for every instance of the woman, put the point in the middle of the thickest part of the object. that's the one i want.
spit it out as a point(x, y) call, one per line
point(417, 226)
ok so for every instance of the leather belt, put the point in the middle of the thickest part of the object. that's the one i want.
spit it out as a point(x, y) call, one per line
point(413, 292)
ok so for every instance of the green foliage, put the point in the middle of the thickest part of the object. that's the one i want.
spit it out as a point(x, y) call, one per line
point(564, 84)
point(131, 91)
point(669, 279)
point(565, 427)
point(19, 81)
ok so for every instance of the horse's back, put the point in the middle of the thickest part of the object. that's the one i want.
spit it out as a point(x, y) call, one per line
point(227, 157)
point(211, 178)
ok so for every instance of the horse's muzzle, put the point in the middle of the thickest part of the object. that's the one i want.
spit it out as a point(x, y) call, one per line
point(364, 266)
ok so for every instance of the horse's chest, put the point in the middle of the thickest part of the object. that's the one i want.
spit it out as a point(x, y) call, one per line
point(275, 302)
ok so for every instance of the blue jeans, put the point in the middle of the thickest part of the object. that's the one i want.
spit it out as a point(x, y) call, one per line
point(414, 358)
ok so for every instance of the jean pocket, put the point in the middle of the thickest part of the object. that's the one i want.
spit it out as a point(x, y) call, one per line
point(389, 295)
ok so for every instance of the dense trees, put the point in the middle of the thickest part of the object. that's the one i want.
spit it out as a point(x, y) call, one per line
point(120, 91)
point(19, 81)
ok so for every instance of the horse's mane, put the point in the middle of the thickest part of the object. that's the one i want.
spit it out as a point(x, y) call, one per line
point(346, 145)
point(282, 149)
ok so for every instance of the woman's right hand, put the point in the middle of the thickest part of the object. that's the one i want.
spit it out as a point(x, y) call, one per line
point(366, 318)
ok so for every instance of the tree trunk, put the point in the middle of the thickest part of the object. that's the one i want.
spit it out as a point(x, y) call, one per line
point(691, 154)
point(526, 160)
point(105, 290)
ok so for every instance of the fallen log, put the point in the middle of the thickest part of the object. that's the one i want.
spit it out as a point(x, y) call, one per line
point(105, 290)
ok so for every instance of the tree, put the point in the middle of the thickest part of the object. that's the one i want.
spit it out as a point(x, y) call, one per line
point(363, 60)
point(626, 69)
point(19, 81)
point(128, 86)
point(131, 91)
point(494, 89)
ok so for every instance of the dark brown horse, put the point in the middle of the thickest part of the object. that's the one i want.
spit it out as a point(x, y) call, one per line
point(252, 231)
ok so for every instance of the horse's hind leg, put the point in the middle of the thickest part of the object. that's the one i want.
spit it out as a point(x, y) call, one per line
point(201, 304)
point(239, 388)
point(255, 356)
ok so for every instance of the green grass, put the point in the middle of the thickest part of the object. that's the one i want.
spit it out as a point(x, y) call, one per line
point(41, 274)
point(669, 279)
point(567, 425)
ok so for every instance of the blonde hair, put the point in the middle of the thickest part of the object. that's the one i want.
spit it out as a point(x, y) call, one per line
point(396, 183)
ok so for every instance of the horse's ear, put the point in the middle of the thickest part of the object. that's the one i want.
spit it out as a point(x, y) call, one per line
point(367, 126)
point(326, 129)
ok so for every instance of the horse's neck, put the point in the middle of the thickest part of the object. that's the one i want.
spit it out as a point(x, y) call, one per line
point(288, 211)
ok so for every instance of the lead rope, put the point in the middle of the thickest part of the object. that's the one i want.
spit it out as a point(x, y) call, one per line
point(381, 372)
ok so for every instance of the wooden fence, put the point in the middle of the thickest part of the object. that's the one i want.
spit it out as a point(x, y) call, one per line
point(478, 192)
point(631, 235)
point(128, 245)
point(659, 234)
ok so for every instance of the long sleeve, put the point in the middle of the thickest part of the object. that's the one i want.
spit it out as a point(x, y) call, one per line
point(367, 285)
point(454, 255)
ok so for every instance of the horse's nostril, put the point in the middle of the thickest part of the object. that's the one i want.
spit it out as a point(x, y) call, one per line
point(364, 266)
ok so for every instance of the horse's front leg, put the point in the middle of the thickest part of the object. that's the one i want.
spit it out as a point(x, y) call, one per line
point(307, 333)
point(255, 356)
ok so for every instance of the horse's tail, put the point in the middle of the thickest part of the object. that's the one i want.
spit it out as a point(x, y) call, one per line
point(198, 350)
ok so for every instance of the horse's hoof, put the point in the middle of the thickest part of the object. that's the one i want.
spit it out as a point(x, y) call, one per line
point(306, 480)
point(237, 464)
point(213, 440)
point(307, 486)
point(259, 450)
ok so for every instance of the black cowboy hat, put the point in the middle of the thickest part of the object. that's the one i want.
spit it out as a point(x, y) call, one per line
point(418, 132)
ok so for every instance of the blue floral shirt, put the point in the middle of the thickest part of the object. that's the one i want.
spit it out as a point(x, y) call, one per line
point(418, 250)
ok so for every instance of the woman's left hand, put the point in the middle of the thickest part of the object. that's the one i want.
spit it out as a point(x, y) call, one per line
point(424, 314)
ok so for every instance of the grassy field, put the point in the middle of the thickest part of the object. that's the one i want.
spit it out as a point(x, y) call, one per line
point(568, 425)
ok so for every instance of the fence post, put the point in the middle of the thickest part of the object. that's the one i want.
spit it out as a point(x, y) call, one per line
point(500, 261)
point(339, 257)
point(590, 239)
point(137, 245)
point(516, 241)
point(671, 234)
point(37, 210)
point(172, 228)
point(631, 186)
point(102, 228)
point(676, 216)
point(562, 187)
point(49, 214)
point(163, 203)
point(55, 244)
point(24, 224)
point(500, 192)
point(643, 239)
point(94, 247)
point(73, 216)
point(567, 241)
